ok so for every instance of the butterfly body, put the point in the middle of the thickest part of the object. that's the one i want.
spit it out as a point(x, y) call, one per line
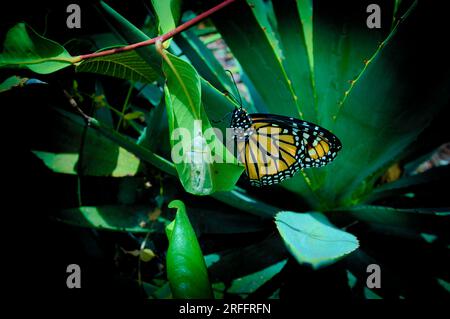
point(274, 147)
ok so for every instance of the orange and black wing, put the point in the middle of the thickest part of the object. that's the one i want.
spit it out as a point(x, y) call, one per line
point(277, 147)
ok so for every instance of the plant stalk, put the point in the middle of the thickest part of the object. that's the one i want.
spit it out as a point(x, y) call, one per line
point(161, 38)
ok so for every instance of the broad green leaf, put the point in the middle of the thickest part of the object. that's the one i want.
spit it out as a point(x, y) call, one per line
point(109, 217)
point(59, 145)
point(168, 13)
point(125, 65)
point(382, 112)
point(204, 61)
point(186, 268)
point(342, 44)
point(23, 47)
point(234, 198)
point(125, 142)
point(131, 34)
point(251, 46)
point(199, 151)
point(184, 83)
point(66, 163)
point(312, 239)
point(374, 119)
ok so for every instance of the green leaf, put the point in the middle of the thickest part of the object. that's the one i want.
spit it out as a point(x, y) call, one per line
point(262, 11)
point(374, 119)
point(133, 147)
point(162, 292)
point(216, 105)
point(204, 61)
point(369, 294)
point(168, 13)
point(248, 284)
point(184, 84)
point(12, 81)
point(444, 284)
point(312, 239)
point(125, 65)
point(295, 31)
point(23, 47)
point(131, 34)
point(66, 163)
point(186, 268)
point(305, 9)
point(341, 45)
point(251, 45)
point(239, 199)
point(58, 146)
point(169, 229)
point(192, 138)
point(235, 198)
point(109, 217)
point(351, 279)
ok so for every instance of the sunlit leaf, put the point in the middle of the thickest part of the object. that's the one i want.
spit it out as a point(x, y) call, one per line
point(311, 238)
point(125, 30)
point(168, 13)
point(193, 140)
point(125, 65)
point(23, 47)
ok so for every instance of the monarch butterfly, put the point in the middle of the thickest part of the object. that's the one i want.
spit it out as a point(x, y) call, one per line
point(274, 147)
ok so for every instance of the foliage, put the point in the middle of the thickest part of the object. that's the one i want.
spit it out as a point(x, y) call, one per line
point(310, 60)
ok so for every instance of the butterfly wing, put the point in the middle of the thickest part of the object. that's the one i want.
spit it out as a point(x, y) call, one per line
point(279, 146)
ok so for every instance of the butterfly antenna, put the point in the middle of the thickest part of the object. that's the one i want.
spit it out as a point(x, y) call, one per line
point(237, 90)
point(232, 96)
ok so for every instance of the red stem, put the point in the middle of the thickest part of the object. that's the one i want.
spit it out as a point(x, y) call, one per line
point(161, 38)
